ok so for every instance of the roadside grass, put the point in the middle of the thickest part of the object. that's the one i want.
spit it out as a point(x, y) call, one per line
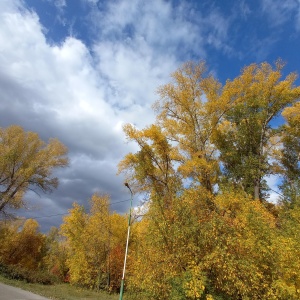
point(59, 291)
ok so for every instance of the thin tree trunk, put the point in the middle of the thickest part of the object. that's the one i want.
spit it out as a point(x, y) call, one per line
point(256, 189)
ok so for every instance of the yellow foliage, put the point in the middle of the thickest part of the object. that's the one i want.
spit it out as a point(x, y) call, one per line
point(22, 244)
point(202, 164)
point(245, 136)
point(94, 239)
point(26, 161)
point(189, 112)
point(194, 285)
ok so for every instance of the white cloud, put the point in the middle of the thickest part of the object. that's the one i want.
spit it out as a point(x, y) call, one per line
point(84, 95)
point(56, 91)
point(168, 30)
point(140, 44)
point(280, 12)
point(60, 4)
point(273, 181)
point(217, 28)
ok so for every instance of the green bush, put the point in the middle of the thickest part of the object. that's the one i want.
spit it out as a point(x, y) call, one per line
point(30, 276)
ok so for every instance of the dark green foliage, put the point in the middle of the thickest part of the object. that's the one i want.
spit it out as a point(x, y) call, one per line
point(30, 276)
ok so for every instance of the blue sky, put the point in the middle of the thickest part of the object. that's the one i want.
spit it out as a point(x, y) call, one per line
point(80, 69)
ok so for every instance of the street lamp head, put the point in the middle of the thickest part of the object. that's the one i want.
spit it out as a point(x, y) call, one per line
point(127, 185)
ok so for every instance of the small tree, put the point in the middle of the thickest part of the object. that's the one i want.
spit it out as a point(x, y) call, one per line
point(96, 242)
point(26, 162)
point(22, 245)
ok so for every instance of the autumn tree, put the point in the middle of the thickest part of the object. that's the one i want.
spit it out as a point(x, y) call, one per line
point(73, 229)
point(286, 282)
point(175, 153)
point(246, 136)
point(96, 243)
point(206, 233)
point(55, 258)
point(287, 242)
point(22, 244)
point(26, 162)
point(289, 156)
point(189, 110)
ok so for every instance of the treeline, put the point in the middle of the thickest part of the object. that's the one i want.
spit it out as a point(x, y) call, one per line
point(207, 229)
point(210, 231)
point(88, 249)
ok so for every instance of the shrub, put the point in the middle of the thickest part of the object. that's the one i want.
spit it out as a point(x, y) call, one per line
point(30, 276)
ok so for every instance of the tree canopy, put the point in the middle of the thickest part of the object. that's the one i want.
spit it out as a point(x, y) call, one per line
point(26, 162)
point(209, 231)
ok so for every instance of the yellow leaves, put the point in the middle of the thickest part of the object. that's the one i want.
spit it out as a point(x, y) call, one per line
point(151, 168)
point(100, 204)
point(255, 98)
point(189, 112)
point(96, 243)
point(31, 226)
point(22, 244)
point(292, 115)
point(194, 283)
point(239, 209)
point(202, 164)
point(239, 238)
point(26, 161)
point(74, 223)
point(260, 86)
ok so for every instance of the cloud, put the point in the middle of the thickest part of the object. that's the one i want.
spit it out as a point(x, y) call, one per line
point(279, 12)
point(60, 4)
point(298, 18)
point(244, 9)
point(273, 181)
point(83, 90)
point(83, 93)
point(139, 44)
point(167, 28)
point(217, 27)
point(56, 91)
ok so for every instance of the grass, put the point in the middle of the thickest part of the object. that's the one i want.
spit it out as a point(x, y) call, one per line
point(60, 291)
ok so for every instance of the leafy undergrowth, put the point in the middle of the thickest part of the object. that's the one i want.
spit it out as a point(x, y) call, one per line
point(29, 276)
point(59, 291)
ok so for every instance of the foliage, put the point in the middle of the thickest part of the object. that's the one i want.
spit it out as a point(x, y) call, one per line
point(96, 243)
point(26, 162)
point(188, 113)
point(227, 252)
point(22, 244)
point(245, 135)
point(22, 252)
point(30, 276)
point(209, 232)
point(54, 260)
point(289, 157)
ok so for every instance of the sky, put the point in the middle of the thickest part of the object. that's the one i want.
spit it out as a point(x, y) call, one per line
point(78, 70)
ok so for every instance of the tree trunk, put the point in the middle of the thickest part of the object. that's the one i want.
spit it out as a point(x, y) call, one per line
point(256, 189)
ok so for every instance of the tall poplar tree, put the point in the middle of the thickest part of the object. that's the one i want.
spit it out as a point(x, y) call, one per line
point(245, 136)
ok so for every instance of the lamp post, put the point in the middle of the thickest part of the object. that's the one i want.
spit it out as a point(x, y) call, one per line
point(126, 250)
